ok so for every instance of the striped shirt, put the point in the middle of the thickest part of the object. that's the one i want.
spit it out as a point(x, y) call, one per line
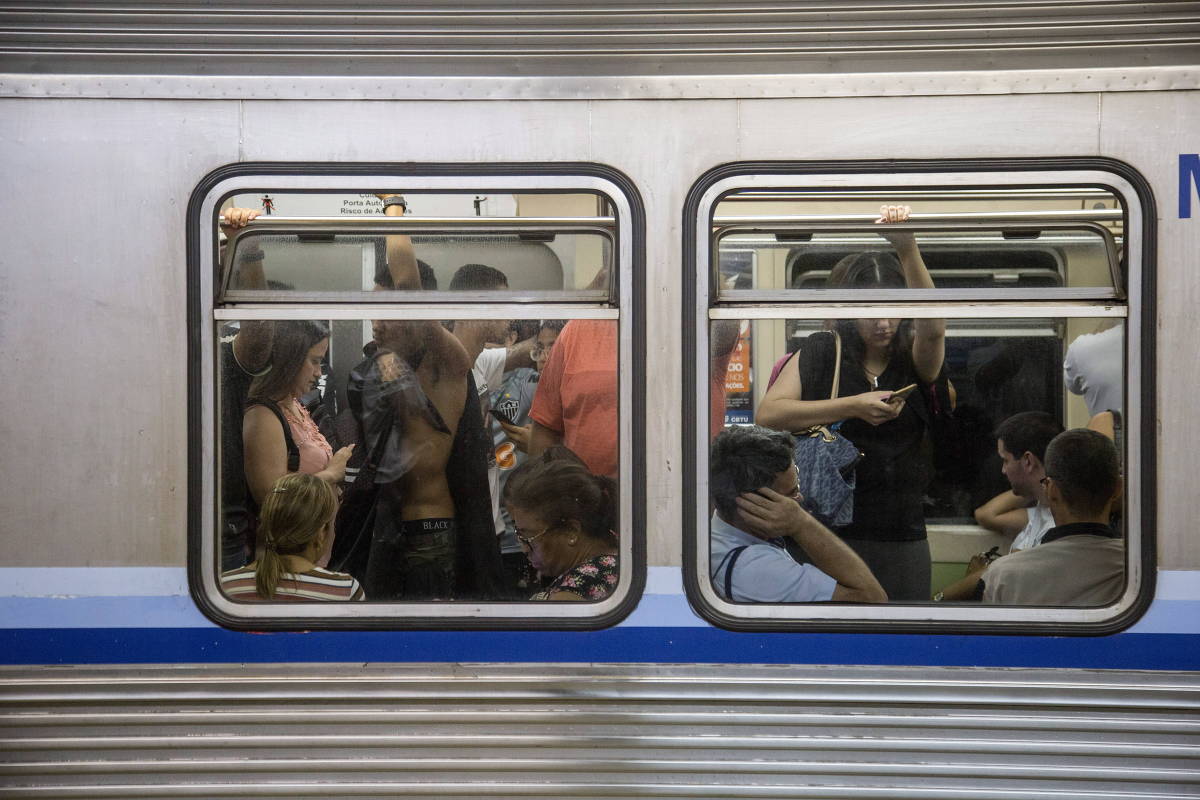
point(315, 585)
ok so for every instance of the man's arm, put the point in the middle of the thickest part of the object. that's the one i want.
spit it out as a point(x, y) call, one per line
point(967, 588)
point(1005, 513)
point(769, 515)
point(401, 260)
point(402, 267)
point(252, 344)
point(518, 355)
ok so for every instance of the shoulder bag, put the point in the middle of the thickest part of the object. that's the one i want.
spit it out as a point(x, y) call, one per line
point(825, 461)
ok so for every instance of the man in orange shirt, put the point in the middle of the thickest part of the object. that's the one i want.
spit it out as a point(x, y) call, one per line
point(576, 400)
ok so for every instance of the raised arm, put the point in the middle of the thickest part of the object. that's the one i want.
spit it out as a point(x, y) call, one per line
point(402, 267)
point(401, 261)
point(252, 345)
point(929, 335)
point(769, 514)
point(519, 354)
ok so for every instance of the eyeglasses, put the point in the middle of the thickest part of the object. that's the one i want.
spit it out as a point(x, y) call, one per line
point(529, 540)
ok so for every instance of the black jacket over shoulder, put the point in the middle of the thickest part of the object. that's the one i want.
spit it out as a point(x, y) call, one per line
point(479, 571)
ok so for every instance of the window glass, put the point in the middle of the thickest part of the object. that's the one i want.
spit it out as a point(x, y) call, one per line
point(419, 411)
point(443, 412)
point(885, 453)
point(936, 467)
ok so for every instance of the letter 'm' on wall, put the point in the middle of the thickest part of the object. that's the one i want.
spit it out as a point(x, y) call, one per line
point(1189, 176)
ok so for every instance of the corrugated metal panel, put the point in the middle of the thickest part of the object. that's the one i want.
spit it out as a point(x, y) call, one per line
point(456, 37)
point(597, 731)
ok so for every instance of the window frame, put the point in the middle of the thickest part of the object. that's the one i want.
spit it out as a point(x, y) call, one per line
point(1133, 301)
point(205, 312)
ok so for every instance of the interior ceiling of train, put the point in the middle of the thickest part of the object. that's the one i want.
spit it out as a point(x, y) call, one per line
point(563, 38)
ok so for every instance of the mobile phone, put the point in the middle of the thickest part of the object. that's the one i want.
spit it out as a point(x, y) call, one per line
point(900, 394)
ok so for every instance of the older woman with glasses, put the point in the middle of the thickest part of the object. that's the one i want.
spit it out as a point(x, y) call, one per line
point(565, 518)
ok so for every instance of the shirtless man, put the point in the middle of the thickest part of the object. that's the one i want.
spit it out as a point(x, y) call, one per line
point(433, 537)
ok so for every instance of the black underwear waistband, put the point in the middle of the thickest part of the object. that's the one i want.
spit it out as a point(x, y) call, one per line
point(430, 525)
point(433, 530)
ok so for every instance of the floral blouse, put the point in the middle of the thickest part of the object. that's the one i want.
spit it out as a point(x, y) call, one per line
point(592, 580)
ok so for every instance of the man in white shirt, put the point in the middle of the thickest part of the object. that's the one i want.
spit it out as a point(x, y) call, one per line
point(1094, 367)
point(1021, 442)
point(757, 498)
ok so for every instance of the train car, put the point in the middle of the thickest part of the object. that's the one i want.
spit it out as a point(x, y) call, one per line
point(678, 185)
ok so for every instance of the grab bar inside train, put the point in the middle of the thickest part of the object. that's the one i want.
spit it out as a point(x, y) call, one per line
point(889, 195)
point(528, 232)
point(980, 217)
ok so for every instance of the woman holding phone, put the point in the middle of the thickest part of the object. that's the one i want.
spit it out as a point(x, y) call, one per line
point(278, 434)
point(882, 362)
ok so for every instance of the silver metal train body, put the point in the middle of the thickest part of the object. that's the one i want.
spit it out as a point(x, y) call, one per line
point(126, 130)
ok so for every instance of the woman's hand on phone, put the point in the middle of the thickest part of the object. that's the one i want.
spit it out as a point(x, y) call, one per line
point(335, 470)
point(873, 407)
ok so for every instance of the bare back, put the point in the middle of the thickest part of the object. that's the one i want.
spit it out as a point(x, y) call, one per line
point(429, 427)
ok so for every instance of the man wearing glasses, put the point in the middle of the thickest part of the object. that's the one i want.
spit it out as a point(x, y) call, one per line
point(1080, 561)
point(757, 498)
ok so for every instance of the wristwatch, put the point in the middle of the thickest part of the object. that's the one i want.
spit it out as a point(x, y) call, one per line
point(395, 200)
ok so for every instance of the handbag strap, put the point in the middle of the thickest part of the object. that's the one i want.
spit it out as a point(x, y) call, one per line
point(835, 384)
point(837, 366)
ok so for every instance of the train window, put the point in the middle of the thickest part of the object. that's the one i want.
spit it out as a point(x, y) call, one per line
point(889, 357)
point(416, 402)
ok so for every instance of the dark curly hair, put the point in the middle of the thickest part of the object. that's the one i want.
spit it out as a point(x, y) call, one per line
point(745, 459)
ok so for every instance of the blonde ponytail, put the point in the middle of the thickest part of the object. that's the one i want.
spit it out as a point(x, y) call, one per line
point(293, 514)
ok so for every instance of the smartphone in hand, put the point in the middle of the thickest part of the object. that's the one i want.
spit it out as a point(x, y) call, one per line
point(900, 394)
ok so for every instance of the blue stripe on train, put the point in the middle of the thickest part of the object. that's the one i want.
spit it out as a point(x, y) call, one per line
point(1150, 651)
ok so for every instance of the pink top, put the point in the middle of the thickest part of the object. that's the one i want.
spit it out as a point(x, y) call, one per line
point(315, 453)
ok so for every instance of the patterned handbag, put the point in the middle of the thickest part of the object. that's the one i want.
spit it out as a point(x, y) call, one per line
point(825, 461)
